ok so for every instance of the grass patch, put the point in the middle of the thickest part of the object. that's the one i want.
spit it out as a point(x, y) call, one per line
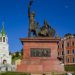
point(14, 73)
point(70, 68)
point(19, 73)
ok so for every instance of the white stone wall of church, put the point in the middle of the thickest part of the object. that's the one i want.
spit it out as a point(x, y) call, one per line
point(6, 57)
point(4, 51)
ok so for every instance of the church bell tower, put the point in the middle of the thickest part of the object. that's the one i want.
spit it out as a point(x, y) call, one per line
point(4, 47)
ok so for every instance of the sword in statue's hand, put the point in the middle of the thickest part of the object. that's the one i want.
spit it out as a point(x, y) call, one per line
point(30, 3)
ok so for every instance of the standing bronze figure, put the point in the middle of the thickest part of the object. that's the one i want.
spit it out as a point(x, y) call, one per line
point(44, 31)
point(31, 15)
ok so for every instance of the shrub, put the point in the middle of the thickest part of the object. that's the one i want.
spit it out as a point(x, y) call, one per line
point(14, 73)
point(70, 68)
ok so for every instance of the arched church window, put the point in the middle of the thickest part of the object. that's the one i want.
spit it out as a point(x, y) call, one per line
point(4, 61)
point(3, 39)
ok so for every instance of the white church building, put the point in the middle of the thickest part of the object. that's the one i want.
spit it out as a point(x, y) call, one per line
point(5, 58)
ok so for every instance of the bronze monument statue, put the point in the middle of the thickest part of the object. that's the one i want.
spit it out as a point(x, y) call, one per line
point(45, 31)
point(32, 23)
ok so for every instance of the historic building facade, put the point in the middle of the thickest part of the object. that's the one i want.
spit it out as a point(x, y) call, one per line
point(5, 58)
point(66, 50)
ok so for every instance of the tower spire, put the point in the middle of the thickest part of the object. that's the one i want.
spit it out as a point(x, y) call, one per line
point(3, 31)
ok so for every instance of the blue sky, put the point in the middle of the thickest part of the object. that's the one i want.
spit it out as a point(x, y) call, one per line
point(60, 14)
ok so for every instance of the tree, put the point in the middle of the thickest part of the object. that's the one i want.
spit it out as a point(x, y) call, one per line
point(17, 54)
point(68, 34)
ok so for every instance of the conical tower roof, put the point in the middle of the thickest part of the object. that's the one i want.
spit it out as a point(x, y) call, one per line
point(3, 30)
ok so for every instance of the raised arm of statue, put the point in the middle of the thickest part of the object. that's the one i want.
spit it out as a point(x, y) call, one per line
point(29, 6)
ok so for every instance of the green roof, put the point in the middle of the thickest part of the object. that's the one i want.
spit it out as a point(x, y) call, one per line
point(3, 31)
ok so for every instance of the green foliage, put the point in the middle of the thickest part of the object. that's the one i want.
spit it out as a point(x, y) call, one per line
point(64, 74)
point(17, 55)
point(19, 73)
point(55, 73)
point(15, 58)
point(68, 34)
point(14, 73)
point(70, 68)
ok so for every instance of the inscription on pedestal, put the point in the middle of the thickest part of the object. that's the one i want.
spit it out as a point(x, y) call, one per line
point(40, 52)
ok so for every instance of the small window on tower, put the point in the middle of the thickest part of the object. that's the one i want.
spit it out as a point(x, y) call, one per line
point(67, 44)
point(67, 51)
point(73, 60)
point(58, 53)
point(62, 52)
point(62, 46)
point(0, 39)
point(72, 43)
point(67, 60)
point(3, 39)
point(73, 51)
point(58, 46)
